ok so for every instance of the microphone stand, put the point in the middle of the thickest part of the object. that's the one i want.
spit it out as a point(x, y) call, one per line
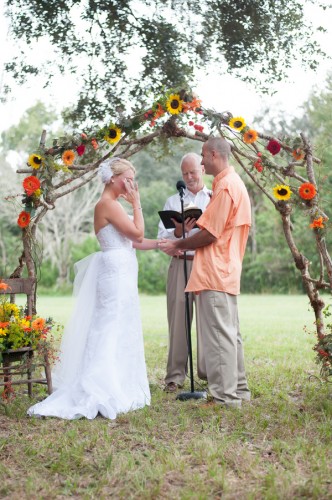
point(184, 396)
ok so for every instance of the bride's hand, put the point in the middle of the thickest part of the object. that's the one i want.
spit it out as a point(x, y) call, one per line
point(132, 194)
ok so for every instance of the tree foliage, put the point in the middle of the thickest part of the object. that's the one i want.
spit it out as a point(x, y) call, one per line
point(99, 42)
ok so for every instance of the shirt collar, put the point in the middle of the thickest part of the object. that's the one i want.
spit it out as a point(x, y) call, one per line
point(204, 189)
point(221, 175)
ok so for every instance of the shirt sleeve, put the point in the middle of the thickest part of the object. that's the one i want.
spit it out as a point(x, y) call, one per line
point(167, 234)
point(218, 214)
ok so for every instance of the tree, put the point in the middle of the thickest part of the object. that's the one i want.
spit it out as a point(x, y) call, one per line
point(98, 40)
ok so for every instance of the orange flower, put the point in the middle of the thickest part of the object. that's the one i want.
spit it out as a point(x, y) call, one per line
point(68, 157)
point(4, 324)
point(23, 219)
point(94, 144)
point(193, 105)
point(250, 136)
point(298, 154)
point(307, 191)
point(160, 112)
point(4, 286)
point(38, 324)
point(31, 184)
point(318, 223)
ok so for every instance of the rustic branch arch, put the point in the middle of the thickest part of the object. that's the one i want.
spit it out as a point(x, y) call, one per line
point(255, 152)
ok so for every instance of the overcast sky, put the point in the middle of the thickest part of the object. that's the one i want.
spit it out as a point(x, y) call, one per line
point(220, 92)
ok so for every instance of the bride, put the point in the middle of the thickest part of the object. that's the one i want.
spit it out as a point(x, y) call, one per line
point(101, 368)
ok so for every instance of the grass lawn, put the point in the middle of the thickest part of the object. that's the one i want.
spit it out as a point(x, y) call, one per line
point(276, 447)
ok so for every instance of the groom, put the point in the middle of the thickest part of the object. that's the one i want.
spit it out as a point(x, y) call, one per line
point(219, 249)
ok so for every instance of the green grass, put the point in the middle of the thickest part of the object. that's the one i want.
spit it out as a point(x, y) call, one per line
point(277, 446)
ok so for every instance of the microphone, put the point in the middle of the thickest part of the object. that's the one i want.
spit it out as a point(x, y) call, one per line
point(180, 186)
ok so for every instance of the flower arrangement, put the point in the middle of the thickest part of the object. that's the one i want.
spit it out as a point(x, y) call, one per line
point(19, 330)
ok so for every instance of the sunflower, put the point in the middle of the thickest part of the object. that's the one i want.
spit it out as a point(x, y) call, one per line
point(307, 191)
point(68, 157)
point(250, 136)
point(237, 123)
point(298, 154)
point(113, 134)
point(31, 184)
point(38, 324)
point(174, 104)
point(23, 219)
point(35, 161)
point(282, 192)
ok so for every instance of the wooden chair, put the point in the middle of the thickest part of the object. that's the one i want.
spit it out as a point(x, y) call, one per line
point(19, 362)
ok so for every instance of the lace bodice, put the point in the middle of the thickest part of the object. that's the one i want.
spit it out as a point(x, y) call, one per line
point(109, 238)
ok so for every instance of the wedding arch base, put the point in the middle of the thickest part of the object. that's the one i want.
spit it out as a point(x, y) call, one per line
point(282, 169)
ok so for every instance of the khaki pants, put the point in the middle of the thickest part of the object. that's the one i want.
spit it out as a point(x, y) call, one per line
point(222, 347)
point(176, 315)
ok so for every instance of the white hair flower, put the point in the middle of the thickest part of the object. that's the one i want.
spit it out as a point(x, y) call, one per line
point(105, 169)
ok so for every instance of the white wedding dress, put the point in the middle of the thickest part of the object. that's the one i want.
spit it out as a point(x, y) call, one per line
point(102, 366)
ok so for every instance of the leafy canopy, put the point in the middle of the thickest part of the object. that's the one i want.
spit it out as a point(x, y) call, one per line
point(98, 41)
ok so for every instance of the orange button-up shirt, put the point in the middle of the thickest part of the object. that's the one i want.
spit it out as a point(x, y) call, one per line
point(218, 266)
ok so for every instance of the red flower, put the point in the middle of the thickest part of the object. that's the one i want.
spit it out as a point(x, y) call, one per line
point(80, 149)
point(199, 128)
point(307, 191)
point(191, 123)
point(273, 146)
point(23, 219)
point(31, 184)
point(258, 166)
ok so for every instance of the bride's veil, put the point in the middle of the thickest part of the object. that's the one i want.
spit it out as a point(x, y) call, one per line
point(76, 331)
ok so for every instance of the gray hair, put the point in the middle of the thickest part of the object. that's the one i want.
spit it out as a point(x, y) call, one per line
point(191, 156)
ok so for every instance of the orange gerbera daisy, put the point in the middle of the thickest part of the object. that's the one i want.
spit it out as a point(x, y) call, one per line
point(38, 324)
point(307, 191)
point(298, 154)
point(4, 324)
point(31, 184)
point(250, 136)
point(68, 157)
point(318, 223)
point(4, 286)
point(23, 219)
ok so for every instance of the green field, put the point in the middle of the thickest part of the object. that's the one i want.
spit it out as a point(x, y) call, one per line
point(277, 446)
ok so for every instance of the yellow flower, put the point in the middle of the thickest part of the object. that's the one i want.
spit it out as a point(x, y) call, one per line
point(174, 104)
point(37, 193)
point(113, 134)
point(237, 123)
point(35, 161)
point(68, 157)
point(282, 192)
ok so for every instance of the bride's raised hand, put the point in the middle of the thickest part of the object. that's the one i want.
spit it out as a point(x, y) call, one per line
point(131, 192)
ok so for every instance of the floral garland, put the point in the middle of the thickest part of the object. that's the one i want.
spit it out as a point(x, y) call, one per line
point(259, 150)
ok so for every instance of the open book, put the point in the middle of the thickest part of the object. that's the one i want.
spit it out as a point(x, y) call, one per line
point(166, 215)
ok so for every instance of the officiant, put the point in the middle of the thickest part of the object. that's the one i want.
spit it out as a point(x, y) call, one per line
point(195, 194)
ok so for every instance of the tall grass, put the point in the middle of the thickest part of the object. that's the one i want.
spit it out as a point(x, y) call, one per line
point(277, 446)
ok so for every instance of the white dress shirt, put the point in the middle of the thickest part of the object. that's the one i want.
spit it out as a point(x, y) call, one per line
point(200, 200)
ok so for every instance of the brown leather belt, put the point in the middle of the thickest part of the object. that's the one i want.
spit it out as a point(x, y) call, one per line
point(187, 257)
